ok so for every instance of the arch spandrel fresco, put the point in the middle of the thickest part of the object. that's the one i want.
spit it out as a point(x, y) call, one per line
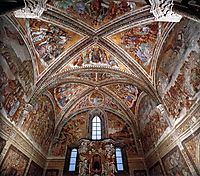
point(120, 131)
point(178, 66)
point(39, 122)
point(95, 56)
point(96, 13)
point(66, 92)
point(50, 41)
point(71, 132)
point(139, 42)
point(152, 122)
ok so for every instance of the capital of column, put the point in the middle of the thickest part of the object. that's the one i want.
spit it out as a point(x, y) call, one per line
point(162, 11)
point(32, 9)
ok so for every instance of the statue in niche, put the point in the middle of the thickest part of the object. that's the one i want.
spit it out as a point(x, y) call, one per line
point(96, 164)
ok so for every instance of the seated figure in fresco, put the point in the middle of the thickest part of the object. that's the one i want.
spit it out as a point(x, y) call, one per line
point(95, 55)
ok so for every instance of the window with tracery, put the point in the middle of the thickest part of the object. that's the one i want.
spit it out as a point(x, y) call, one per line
point(96, 128)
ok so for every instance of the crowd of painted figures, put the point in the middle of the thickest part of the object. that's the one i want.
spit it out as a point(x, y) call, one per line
point(97, 12)
point(95, 56)
point(49, 40)
point(178, 68)
point(152, 122)
point(66, 92)
point(139, 42)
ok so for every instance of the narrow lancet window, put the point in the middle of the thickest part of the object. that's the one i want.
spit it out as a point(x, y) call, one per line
point(96, 128)
point(119, 159)
point(72, 162)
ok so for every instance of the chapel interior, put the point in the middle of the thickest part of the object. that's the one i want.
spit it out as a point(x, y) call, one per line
point(99, 88)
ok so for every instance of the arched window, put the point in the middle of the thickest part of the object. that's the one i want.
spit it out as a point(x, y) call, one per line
point(72, 162)
point(119, 159)
point(96, 128)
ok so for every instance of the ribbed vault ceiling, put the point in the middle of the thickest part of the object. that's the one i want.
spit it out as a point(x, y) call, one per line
point(94, 55)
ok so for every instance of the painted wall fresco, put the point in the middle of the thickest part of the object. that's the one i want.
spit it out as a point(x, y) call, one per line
point(101, 152)
point(50, 41)
point(139, 42)
point(178, 68)
point(128, 93)
point(72, 131)
point(14, 163)
point(16, 71)
point(39, 122)
point(52, 172)
point(16, 64)
point(192, 146)
point(34, 170)
point(97, 12)
point(2, 144)
point(175, 164)
point(152, 122)
point(120, 131)
point(156, 170)
point(66, 92)
point(140, 173)
point(96, 56)
point(11, 95)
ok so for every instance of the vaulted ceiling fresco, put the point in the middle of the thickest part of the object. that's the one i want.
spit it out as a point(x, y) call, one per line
point(139, 42)
point(110, 56)
point(96, 13)
point(50, 40)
